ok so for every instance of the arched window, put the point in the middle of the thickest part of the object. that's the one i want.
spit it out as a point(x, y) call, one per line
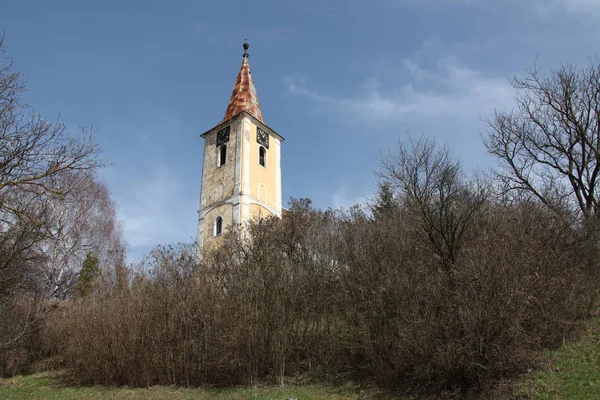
point(222, 155)
point(262, 156)
point(218, 226)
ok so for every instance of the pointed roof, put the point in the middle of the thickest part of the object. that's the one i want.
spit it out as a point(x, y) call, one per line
point(244, 97)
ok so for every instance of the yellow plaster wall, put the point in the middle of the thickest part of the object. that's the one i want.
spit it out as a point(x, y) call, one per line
point(258, 173)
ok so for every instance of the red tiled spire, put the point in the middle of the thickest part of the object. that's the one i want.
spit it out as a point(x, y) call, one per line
point(243, 97)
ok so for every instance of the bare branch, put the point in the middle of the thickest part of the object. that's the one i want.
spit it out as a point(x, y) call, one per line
point(550, 143)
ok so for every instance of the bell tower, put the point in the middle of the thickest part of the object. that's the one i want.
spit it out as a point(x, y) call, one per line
point(241, 171)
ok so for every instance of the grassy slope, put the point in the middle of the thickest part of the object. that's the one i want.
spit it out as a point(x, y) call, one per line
point(572, 372)
point(48, 386)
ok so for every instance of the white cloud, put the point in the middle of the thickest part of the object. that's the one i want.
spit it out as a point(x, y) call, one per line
point(550, 8)
point(581, 5)
point(154, 209)
point(430, 3)
point(341, 198)
point(543, 6)
point(446, 89)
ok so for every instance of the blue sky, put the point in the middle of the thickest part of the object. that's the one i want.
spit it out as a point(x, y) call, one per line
point(342, 81)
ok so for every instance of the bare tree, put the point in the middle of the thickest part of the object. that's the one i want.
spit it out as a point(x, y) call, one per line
point(35, 156)
point(550, 143)
point(81, 222)
point(429, 180)
point(34, 151)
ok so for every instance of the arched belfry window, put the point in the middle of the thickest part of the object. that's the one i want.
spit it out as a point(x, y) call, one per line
point(222, 155)
point(262, 156)
point(218, 226)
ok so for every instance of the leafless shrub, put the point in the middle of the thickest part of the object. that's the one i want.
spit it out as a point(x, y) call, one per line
point(453, 287)
point(341, 294)
point(253, 313)
point(445, 285)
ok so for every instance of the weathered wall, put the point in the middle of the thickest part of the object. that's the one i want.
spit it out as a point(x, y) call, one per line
point(218, 182)
point(226, 212)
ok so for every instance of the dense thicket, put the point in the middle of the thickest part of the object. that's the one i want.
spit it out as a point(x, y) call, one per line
point(442, 284)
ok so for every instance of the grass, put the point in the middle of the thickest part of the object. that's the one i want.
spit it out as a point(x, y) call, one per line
point(48, 385)
point(571, 372)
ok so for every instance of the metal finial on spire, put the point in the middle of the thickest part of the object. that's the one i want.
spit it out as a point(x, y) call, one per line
point(246, 46)
point(243, 97)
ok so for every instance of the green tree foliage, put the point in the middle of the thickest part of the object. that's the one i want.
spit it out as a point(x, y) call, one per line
point(87, 276)
point(385, 203)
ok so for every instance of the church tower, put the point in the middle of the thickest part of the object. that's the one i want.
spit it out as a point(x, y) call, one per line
point(241, 171)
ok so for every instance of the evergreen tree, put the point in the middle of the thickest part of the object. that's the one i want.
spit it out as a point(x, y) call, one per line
point(87, 276)
point(385, 202)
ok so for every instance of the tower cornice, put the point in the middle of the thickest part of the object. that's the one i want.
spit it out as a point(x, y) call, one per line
point(230, 120)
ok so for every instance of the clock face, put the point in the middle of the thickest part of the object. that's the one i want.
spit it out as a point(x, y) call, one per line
point(223, 136)
point(262, 138)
